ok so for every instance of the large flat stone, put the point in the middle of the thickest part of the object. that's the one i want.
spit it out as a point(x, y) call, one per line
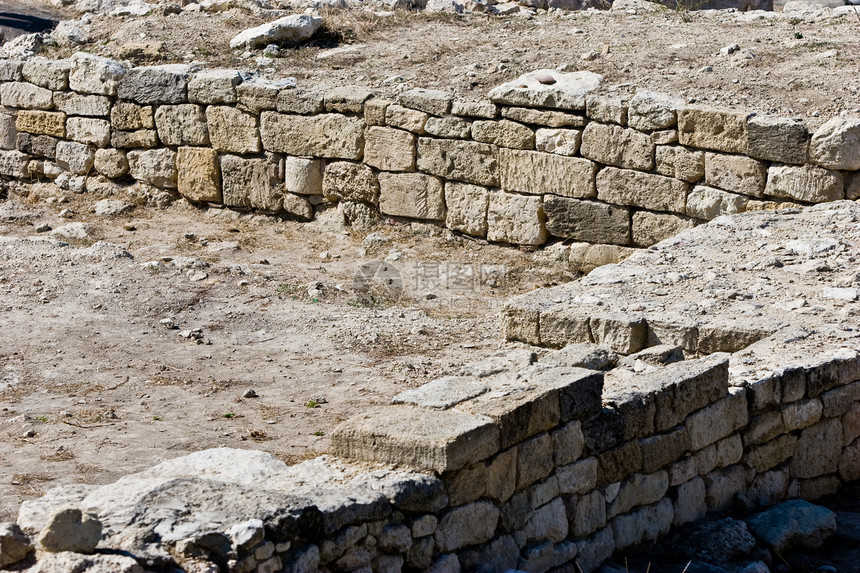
point(538, 173)
point(155, 84)
point(634, 188)
point(586, 220)
point(232, 130)
point(615, 145)
point(712, 128)
point(777, 139)
point(516, 219)
point(413, 195)
point(547, 88)
point(807, 183)
point(328, 135)
point(459, 160)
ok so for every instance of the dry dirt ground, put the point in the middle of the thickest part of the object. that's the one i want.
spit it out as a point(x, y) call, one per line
point(98, 379)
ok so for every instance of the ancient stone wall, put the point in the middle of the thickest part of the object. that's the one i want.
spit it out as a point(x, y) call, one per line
point(516, 168)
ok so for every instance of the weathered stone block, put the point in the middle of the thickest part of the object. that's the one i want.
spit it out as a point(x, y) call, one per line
point(818, 450)
point(558, 141)
point(449, 127)
point(251, 183)
point(651, 110)
point(146, 138)
point(8, 131)
point(459, 160)
point(729, 451)
point(504, 133)
point(303, 176)
point(579, 477)
point(26, 96)
point(346, 99)
point(849, 463)
point(466, 485)
point(534, 460)
point(763, 428)
point(567, 91)
point(543, 117)
point(622, 332)
point(680, 163)
point(722, 486)
point(650, 228)
point(181, 125)
point(515, 219)
point(150, 85)
point(801, 414)
point(606, 109)
point(777, 139)
point(768, 488)
point(539, 173)
point(852, 188)
point(644, 525)
point(42, 123)
point(660, 450)
point(95, 75)
point(770, 454)
point(501, 476)
point(589, 514)
point(714, 129)
point(708, 203)
point(655, 192)
point(547, 522)
point(482, 109)
point(685, 469)
point(567, 443)
point(638, 490)
point(718, 420)
point(467, 208)
point(76, 157)
point(13, 163)
point(615, 145)
point(50, 74)
point(405, 118)
point(211, 87)
point(128, 116)
point(413, 195)
point(616, 464)
point(807, 183)
point(232, 130)
point(664, 136)
point(111, 163)
point(389, 149)
point(434, 440)
point(588, 221)
point(298, 206)
point(328, 135)
point(88, 130)
point(345, 181)
point(154, 166)
point(836, 144)
point(690, 504)
point(299, 101)
point(10, 70)
point(199, 174)
point(37, 145)
point(87, 105)
point(735, 173)
point(374, 111)
point(466, 525)
point(434, 102)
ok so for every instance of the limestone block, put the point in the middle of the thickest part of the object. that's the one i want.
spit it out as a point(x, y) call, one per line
point(42, 123)
point(579, 477)
point(545, 556)
point(301, 101)
point(566, 91)
point(849, 463)
point(777, 139)
point(660, 450)
point(466, 525)
point(466, 485)
point(389, 149)
point(10, 71)
point(303, 176)
point(484, 109)
point(345, 181)
point(111, 163)
point(259, 94)
point(836, 144)
point(852, 190)
point(26, 96)
point(592, 552)
point(146, 138)
point(232, 130)
point(650, 228)
point(515, 219)
point(542, 117)
point(449, 127)
point(199, 174)
point(771, 454)
point(567, 443)
point(768, 488)
point(501, 476)
point(712, 128)
point(735, 173)
point(718, 420)
point(638, 490)
point(807, 183)
point(15, 545)
point(128, 116)
point(793, 524)
point(664, 136)
point(722, 486)
point(68, 529)
point(148, 85)
point(547, 522)
point(251, 183)
point(87, 105)
point(88, 130)
point(708, 203)
point(181, 125)
point(534, 460)
point(644, 525)
point(818, 450)
point(467, 208)
point(615, 145)
point(690, 502)
point(298, 206)
point(459, 160)
point(37, 145)
point(413, 195)
point(706, 459)
point(405, 118)
point(154, 166)
point(851, 424)
point(504, 133)
point(8, 131)
point(539, 173)
point(328, 135)
point(558, 141)
point(374, 111)
point(433, 440)
point(837, 401)
point(801, 414)
point(655, 192)
point(764, 428)
point(650, 111)
point(211, 87)
point(13, 163)
point(75, 157)
point(346, 99)
point(729, 451)
point(288, 30)
point(606, 109)
point(586, 220)
point(680, 163)
point(434, 102)
point(50, 74)
point(616, 464)
point(589, 515)
point(95, 75)
point(683, 470)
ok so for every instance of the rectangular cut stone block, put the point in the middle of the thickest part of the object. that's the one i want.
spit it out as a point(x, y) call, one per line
point(585, 220)
point(639, 490)
point(128, 117)
point(801, 414)
point(449, 127)
point(735, 173)
point(579, 477)
point(515, 219)
point(771, 454)
point(155, 84)
point(567, 443)
point(405, 118)
point(213, 86)
point(763, 428)
point(42, 123)
point(606, 109)
point(655, 192)
point(26, 96)
point(837, 401)
point(389, 149)
point(76, 104)
point(680, 163)
point(232, 130)
point(467, 208)
point(345, 181)
point(154, 166)
point(88, 130)
point(807, 183)
point(346, 99)
point(558, 141)
point(722, 486)
point(146, 138)
point(76, 157)
point(50, 74)
point(8, 131)
point(566, 90)
point(251, 183)
point(651, 228)
point(539, 173)
point(425, 439)
point(708, 203)
point(181, 125)
point(714, 129)
point(618, 463)
point(484, 109)
point(589, 514)
point(199, 174)
point(300, 101)
point(504, 133)
point(777, 139)
point(543, 117)
point(690, 502)
point(10, 71)
point(459, 160)
point(660, 450)
point(615, 145)
point(650, 110)
point(14, 164)
point(327, 135)
point(718, 420)
point(37, 145)
point(413, 195)
point(534, 459)
point(374, 111)
point(95, 75)
point(431, 101)
point(818, 450)
point(622, 332)
point(303, 176)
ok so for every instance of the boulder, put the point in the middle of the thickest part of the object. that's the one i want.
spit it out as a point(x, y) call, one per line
point(836, 144)
point(548, 88)
point(14, 544)
point(794, 523)
point(68, 529)
point(289, 29)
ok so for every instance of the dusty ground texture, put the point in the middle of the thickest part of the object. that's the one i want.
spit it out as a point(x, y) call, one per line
point(98, 379)
point(800, 65)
